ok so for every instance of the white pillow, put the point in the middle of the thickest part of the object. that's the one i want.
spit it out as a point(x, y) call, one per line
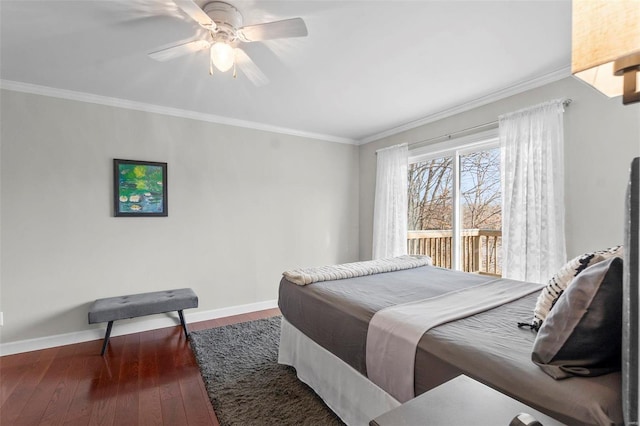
point(563, 278)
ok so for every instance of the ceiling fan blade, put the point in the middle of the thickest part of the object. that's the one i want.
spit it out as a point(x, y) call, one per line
point(294, 27)
point(196, 13)
point(179, 50)
point(249, 68)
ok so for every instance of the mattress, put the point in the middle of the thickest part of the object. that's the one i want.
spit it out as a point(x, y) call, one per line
point(487, 346)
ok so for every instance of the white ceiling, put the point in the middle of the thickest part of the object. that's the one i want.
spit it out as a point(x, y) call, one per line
point(366, 68)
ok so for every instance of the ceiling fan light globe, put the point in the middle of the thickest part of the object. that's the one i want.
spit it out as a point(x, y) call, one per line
point(222, 56)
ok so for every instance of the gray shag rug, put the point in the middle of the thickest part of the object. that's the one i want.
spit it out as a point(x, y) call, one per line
point(246, 385)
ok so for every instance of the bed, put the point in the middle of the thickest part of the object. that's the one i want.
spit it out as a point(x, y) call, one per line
point(326, 325)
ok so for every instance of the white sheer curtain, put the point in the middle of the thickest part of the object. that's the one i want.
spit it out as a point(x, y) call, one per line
point(532, 146)
point(390, 210)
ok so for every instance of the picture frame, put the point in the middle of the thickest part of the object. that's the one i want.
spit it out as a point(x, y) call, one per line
point(139, 188)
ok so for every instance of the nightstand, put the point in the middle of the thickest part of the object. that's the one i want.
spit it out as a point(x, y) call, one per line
point(460, 401)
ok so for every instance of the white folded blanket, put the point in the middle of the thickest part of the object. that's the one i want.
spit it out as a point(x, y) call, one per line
point(356, 269)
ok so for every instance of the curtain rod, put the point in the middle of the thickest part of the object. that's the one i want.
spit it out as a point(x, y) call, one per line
point(448, 136)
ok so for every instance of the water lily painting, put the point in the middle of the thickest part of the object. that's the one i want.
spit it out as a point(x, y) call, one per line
point(140, 188)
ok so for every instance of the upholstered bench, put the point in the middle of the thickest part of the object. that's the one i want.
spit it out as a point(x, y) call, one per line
point(111, 309)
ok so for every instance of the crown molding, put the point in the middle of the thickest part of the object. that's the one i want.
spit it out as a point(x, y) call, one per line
point(35, 89)
point(484, 100)
point(211, 118)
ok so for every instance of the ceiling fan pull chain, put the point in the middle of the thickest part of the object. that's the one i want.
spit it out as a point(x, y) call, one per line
point(235, 74)
point(210, 67)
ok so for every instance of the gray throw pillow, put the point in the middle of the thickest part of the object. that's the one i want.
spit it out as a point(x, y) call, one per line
point(582, 336)
point(564, 277)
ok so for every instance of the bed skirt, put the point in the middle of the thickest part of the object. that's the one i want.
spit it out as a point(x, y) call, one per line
point(349, 394)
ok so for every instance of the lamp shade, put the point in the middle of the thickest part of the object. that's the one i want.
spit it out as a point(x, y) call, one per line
point(604, 31)
point(222, 56)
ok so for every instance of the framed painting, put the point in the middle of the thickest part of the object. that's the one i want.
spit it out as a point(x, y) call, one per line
point(139, 188)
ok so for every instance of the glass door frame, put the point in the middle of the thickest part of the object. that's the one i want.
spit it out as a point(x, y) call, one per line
point(456, 148)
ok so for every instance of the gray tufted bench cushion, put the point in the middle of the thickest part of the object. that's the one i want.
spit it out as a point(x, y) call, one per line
point(136, 305)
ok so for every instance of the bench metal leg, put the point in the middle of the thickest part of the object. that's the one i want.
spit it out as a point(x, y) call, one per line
point(184, 324)
point(106, 337)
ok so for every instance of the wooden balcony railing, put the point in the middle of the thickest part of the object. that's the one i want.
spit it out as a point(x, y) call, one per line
point(480, 248)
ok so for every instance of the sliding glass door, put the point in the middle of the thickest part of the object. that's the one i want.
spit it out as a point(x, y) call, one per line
point(454, 212)
point(430, 220)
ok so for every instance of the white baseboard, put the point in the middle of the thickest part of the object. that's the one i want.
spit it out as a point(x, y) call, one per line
point(123, 327)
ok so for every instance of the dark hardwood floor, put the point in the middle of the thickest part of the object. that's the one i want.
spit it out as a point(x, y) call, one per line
point(148, 378)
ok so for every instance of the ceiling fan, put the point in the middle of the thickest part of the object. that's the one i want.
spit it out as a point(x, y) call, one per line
point(223, 24)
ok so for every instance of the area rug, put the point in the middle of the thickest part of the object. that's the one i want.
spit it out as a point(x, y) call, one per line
point(246, 385)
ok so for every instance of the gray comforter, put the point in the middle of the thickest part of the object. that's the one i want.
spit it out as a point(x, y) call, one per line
point(487, 346)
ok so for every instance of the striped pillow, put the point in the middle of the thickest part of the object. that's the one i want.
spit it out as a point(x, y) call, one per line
point(562, 279)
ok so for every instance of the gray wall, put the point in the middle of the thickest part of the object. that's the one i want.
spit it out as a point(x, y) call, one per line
point(601, 137)
point(244, 205)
